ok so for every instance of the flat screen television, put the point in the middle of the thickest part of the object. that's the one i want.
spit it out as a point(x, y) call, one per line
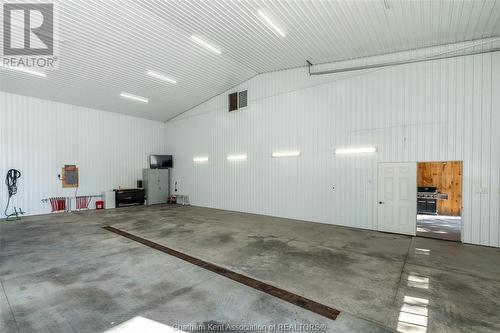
point(160, 161)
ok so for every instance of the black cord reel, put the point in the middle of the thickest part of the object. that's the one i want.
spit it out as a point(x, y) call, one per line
point(11, 181)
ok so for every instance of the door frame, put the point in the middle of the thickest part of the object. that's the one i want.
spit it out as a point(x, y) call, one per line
point(461, 196)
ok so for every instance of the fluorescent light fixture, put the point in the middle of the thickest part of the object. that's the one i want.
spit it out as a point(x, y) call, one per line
point(161, 77)
point(359, 150)
point(200, 159)
point(271, 23)
point(286, 154)
point(134, 97)
point(205, 45)
point(24, 70)
point(240, 157)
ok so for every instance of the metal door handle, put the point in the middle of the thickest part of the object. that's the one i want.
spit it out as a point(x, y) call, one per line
point(380, 202)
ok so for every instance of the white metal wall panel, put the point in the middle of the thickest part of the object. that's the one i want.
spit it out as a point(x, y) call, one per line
point(38, 137)
point(430, 111)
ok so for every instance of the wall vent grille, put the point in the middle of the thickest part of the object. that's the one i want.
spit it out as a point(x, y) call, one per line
point(237, 100)
point(242, 99)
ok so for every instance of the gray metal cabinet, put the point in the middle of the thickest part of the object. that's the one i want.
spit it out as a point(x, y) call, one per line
point(156, 185)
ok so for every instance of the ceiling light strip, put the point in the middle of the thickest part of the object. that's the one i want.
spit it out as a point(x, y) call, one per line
point(200, 159)
point(205, 45)
point(24, 70)
point(161, 77)
point(134, 97)
point(270, 23)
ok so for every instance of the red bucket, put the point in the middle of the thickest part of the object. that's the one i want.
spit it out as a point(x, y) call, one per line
point(99, 204)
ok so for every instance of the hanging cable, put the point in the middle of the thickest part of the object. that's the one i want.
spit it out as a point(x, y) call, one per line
point(11, 181)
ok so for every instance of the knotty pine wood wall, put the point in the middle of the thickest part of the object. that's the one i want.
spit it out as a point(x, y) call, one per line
point(447, 177)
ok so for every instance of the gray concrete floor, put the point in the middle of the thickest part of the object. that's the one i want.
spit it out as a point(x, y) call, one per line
point(439, 226)
point(63, 273)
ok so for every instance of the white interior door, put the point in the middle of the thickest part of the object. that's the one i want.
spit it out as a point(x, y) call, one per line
point(397, 198)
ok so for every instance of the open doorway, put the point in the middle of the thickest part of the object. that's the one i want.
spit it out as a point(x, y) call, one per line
point(439, 200)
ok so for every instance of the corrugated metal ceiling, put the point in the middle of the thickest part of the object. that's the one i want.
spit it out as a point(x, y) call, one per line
point(107, 46)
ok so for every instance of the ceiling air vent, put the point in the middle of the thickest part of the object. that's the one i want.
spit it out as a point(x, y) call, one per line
point(237, 100)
